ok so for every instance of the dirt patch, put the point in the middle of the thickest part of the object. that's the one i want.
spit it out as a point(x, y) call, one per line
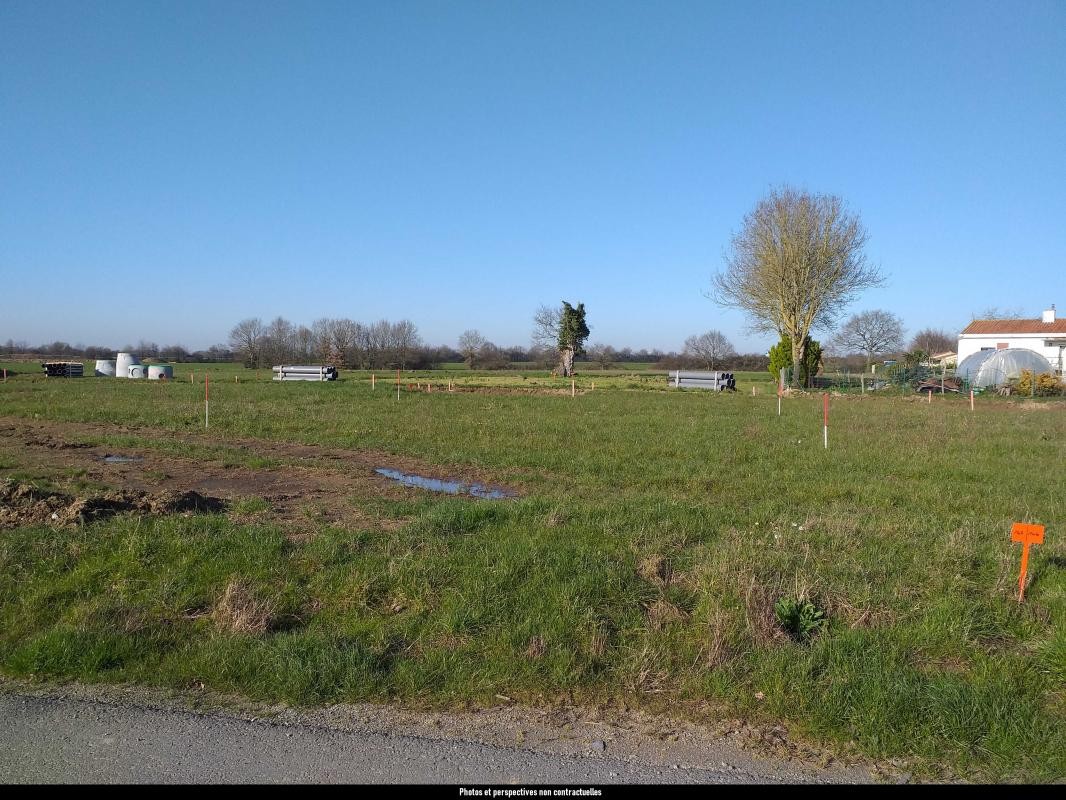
point(517, 391)
point(26, 504)
point(311, 485)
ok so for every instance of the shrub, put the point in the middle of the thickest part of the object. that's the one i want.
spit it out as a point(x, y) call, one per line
point(781, 357)
point(1046, 384)
point(800, 619)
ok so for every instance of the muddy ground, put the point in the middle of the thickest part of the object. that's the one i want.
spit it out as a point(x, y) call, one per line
point(311, 484)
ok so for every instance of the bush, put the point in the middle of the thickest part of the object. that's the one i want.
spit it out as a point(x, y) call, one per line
point(781, 358)
point(1046, 384)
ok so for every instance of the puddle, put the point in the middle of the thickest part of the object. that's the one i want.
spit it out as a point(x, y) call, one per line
point(450, 487)
point(109, 459)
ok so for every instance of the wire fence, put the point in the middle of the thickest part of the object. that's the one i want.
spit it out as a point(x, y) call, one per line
point(919, 379)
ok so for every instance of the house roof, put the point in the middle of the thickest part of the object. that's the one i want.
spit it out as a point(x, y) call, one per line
point(1006, 326)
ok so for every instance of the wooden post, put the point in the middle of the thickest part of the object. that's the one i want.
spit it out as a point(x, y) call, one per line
point(207, 400)
point(373, 381)
point(971, 399)
point(825, 425)
point(573, 388)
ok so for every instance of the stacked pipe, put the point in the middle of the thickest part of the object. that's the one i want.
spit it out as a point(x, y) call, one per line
point(715, 381)
point(63, 369)
point(304, 373)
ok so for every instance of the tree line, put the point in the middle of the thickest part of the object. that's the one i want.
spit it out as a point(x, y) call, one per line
point(145, 349)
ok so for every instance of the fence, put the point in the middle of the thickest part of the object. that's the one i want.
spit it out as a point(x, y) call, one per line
point(904, 379)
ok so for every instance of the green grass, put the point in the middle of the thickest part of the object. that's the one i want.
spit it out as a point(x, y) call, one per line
point(900, 532)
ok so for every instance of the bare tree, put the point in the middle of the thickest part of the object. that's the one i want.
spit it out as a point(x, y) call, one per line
point(470, 344)
point(709, 347)
point(995, 312)
point(303, 344)
point(934, 341)
point(871, 333)
point(797, 261)
point(278, 341)
point(361, 347)
point(379, 343)
point(405, 340)
point(489, 356)
point(545, 336)
point(602, 354)
point(246, 340)
point(147, 349)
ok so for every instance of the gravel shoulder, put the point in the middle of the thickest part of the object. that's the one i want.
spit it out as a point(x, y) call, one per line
point(105, 734)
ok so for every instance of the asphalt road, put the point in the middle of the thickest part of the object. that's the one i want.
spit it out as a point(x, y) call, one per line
point(61, 739)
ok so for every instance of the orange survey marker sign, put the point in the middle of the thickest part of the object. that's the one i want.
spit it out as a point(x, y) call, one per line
point(1026, 534)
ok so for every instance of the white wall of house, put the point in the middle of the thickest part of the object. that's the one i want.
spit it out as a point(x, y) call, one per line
point(1053, 349)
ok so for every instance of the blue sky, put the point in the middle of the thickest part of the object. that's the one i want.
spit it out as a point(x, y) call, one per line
point(171, 168)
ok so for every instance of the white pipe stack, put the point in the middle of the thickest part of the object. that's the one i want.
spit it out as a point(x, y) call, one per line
point(715, 381)
point(303, 372)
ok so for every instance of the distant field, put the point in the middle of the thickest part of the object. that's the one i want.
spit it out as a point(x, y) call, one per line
point(654, 531)
point(459, 374)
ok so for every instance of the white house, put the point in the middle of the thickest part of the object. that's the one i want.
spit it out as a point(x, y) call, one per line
point(1046, 336)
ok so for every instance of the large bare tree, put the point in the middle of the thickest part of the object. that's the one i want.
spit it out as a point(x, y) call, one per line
point(545, 335)
point(246, 339)
point(933, 341)
point(796, 262)
point(871, 333)
point(470, 344)
point(709, 347)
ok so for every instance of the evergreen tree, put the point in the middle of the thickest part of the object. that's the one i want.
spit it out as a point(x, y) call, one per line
point(572, 335)
point(781, 358)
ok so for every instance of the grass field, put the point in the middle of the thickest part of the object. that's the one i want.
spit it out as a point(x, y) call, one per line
point(653, 534)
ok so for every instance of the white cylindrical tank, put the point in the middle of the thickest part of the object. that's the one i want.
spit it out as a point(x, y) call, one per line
point(123, 363)
point(137, 371)
point(160, 372)
point(105, 367)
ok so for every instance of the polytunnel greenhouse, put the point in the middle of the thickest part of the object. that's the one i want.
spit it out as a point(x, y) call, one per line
point(996, 367)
